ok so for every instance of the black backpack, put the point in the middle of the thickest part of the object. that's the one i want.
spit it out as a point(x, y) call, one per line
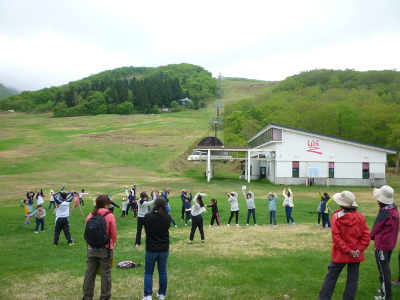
point(95, 232)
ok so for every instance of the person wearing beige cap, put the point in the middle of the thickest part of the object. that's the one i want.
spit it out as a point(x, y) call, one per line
point(384, 233)
point(350, 237)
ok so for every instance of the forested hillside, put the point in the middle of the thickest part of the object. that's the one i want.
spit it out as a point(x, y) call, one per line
point(124, 90)
point(361, 106)
point(4, 92)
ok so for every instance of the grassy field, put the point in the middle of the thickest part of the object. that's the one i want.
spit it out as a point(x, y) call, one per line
point(107, 152)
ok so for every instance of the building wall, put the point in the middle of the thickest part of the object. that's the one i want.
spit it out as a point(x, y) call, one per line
point(348, 159)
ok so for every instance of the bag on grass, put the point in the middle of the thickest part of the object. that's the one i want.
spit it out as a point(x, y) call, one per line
point(95, 231)
point(128, 264)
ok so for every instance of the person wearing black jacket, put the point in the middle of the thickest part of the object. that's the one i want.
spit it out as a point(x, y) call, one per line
point(156, 224)
point(215, 214)
point(183, 198)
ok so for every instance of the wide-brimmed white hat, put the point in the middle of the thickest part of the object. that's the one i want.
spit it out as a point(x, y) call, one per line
point(345, 199)
point(384, 194)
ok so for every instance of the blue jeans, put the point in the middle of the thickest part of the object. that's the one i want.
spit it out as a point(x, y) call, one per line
point(325, 220)
point(272, 217)
point(39, 222)
point(251, 211)
point(288, 211)
point(151, 259)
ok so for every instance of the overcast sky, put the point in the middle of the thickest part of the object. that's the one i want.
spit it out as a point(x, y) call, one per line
point(46, 43)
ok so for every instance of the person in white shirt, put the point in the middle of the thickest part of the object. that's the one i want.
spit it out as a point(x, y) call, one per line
point(197, 219)
point(62, 213)
point(251, 207)
point(233, 201)
point(288, 204)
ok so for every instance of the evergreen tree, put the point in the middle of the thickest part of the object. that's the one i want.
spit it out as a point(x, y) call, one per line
point(142, 103)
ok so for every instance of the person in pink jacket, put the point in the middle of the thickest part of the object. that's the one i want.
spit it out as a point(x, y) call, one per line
point(101, 257)
point(385, 233)
point(350, 237)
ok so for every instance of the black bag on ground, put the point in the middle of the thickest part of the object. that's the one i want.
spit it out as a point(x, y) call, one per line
point(95, 232)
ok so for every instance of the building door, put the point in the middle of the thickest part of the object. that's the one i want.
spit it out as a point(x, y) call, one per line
point(263, 172)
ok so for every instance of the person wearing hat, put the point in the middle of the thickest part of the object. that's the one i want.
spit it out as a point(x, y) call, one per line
point(143, 204)
point(350, 237)
point(384, 233)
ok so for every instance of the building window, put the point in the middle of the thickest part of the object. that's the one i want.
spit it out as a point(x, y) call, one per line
point(272, 134)
point(295, 169)
point(244, 169)
point(365, 170)
point(331, 170)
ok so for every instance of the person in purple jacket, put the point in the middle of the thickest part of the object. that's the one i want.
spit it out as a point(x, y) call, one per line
point(384, 233)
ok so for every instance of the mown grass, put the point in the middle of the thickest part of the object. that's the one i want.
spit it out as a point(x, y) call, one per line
point(285, 262)
point(104, 154)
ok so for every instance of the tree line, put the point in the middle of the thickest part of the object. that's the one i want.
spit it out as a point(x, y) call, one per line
point(124, 90)
point(361, 106)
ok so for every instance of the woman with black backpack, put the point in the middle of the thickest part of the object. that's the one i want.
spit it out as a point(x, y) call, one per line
point(157, 224)
point(100, 256)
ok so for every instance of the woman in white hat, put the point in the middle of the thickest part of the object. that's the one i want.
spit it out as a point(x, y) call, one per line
point(384, 233)
point(350, 237)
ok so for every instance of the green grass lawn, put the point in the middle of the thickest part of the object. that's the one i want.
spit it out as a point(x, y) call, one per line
point(283, 262)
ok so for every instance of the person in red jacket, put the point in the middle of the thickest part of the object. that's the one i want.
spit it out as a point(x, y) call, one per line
point(350, 237)
point(100, 257)
point(385, 233)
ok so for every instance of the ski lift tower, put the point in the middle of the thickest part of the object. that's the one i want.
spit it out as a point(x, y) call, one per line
point(215, 120)
point(219, 92)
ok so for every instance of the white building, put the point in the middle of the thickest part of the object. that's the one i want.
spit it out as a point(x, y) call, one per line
point(290, 156)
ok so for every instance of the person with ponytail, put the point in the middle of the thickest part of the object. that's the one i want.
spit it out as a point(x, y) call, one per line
point(100, 257)
point(197, 219)
point(156, 225)
point(143, 204)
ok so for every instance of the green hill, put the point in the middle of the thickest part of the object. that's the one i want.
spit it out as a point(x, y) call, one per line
point(4, 92)
point(123, 90)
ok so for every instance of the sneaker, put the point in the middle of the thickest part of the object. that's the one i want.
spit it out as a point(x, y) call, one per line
point(255, 225)
point(185, 224)
point(322, 228)
point(209, 225)
point(270, 225)
point(43, 231)
point(228, 225)
point(147, 297)
point(190, 220)
point(176, 225)
point(274, 225)
point(160, 296)
point(71, 244)
point(202, 242)
point(379, 298)
point(318, 224)
point(36, 231)
point(246, 224)
point(137, 245)
point(293, 223)
point(287, 224)
point(328, 228)
point(189, 243)
point(237, 224)
point(55, 245)
point(396, 282)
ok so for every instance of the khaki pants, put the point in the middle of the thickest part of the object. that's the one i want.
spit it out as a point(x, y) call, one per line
point(79, 206)
point(98, 259)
